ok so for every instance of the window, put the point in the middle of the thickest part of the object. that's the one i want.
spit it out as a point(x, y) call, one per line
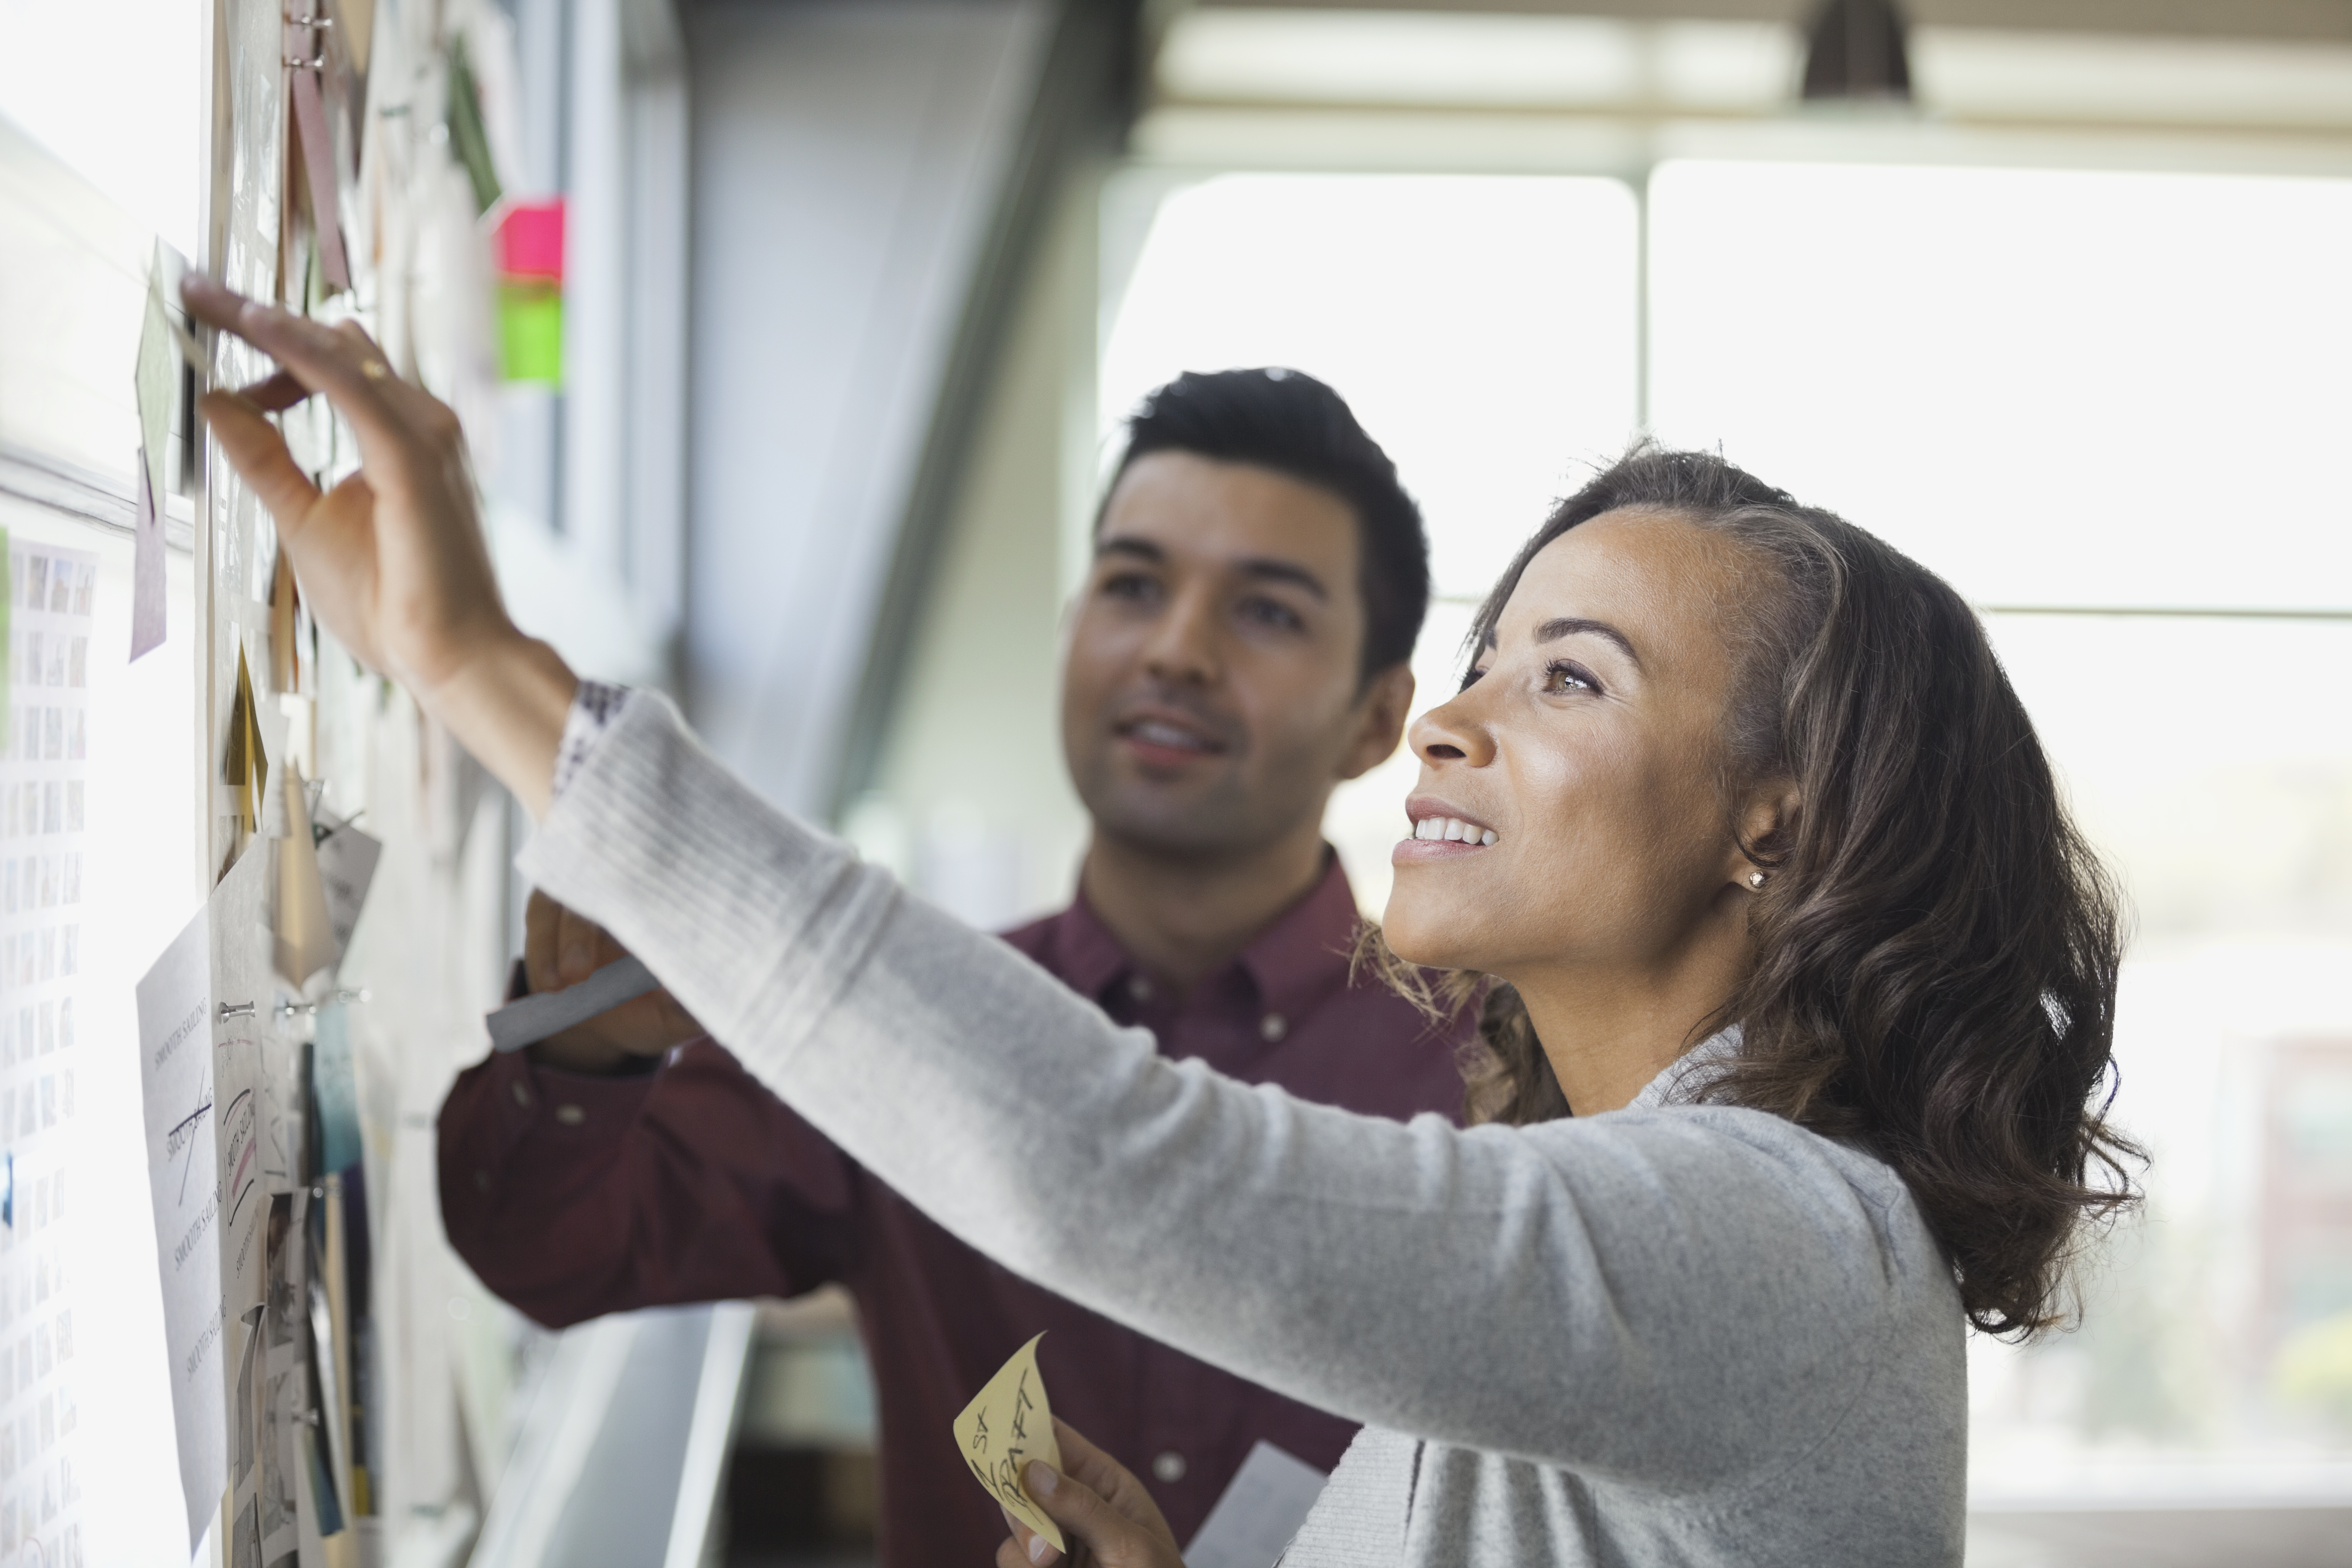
point(2105, 405)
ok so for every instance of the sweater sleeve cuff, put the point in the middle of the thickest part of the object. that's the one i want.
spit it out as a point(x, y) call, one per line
point(753, 919)
point(595, 708)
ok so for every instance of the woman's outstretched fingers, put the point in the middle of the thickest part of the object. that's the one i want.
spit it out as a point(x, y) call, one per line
point(323, 358)
point(256, 449)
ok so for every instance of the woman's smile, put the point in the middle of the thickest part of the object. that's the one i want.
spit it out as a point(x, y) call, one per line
point(1440, 831)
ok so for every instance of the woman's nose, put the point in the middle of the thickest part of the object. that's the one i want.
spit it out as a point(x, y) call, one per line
point(1454, 732)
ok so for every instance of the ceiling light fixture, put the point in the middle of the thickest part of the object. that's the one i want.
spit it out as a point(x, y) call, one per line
point(1854, 51)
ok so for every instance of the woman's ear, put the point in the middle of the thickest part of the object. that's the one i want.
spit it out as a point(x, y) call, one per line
point(1768, 825)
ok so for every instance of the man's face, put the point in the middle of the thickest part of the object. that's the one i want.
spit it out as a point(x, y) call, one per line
point(1212, 694)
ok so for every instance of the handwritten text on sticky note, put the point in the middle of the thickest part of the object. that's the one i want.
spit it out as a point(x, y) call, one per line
point(1008, 1424)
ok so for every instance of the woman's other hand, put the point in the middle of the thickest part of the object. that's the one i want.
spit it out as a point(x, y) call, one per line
point(563, 947)
point(1098, 1504)
point(391, 559)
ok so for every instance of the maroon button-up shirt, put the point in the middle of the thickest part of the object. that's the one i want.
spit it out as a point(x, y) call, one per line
point(573, 1196)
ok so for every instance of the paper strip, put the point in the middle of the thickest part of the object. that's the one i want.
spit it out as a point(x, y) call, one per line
point(319, 166)
point(533, 1018)
point(147, 566)
point(1008, 1424)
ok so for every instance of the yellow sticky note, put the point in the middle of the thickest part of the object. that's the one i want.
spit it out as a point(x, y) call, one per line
point(1007, 1425)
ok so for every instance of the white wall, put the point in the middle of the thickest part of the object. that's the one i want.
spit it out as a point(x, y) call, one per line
point(847, 159)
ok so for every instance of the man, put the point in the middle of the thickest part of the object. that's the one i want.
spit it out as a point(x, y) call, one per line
point(1241, 647)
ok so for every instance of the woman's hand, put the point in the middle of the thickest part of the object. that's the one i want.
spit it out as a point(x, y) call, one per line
point(1099, 1505)
point(392, 560)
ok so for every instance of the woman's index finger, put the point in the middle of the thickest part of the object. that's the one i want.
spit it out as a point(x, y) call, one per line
point(351, 376)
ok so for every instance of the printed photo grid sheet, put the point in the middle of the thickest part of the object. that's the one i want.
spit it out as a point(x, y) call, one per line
point(43, 780)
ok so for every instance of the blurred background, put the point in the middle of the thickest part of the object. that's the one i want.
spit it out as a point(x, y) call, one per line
point(2054, 294)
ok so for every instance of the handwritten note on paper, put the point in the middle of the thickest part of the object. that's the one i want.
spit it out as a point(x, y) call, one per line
point(1008, 1424)
point(176, 1074)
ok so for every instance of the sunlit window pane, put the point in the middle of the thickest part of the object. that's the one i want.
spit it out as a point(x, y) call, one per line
point(1482, 329)
point(2055, 387)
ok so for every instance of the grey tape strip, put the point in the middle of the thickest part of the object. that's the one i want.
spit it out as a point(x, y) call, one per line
point(532, 1018)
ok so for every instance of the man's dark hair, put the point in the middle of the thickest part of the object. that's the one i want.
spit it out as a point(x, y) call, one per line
point(1291, 423)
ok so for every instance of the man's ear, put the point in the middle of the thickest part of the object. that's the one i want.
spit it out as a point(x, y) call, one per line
point(1380, 713)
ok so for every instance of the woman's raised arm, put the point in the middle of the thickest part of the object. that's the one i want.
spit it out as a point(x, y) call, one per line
point(1684, 1297)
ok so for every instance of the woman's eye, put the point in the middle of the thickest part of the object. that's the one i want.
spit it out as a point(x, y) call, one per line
point(1564, 678)
point(1470, 677)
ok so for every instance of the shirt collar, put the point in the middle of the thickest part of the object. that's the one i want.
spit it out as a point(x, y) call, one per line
point(1301, 956)
point(1690, 1073)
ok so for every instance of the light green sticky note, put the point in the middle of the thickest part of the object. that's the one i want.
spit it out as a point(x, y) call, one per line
point(158, 378)
point(531, 331)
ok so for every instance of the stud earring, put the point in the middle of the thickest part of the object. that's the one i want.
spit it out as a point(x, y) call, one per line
point(1755, 879)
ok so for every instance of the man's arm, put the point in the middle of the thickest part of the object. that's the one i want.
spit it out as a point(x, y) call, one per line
point(573, 1194)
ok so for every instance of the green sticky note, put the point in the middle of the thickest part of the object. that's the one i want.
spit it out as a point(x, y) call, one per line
point(158, 377)
point(531, 332)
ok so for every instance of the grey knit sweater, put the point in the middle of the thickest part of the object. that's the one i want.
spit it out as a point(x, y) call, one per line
point(1668, 1335)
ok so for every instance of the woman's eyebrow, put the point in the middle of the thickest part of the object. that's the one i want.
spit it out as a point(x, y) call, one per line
point(1561, 627)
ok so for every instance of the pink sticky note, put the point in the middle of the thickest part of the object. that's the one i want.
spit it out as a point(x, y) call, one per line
point(319, 163)
point(530, 240)
point(146, 568)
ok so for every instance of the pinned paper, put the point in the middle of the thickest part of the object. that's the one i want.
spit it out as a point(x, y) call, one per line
point(1008, 1424)
point(304, 941)
point(176, 1080)
point(288, 670)
point(163, 345)
point(158, 382)
point(147, 566)
point(346, 860)
point(319, 167)
point(245, 767)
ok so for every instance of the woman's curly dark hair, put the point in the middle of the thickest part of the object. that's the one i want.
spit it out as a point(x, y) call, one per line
point(1935, 944)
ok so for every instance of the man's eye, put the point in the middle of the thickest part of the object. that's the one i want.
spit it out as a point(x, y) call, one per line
point(1129, 586)
point(1272, 613)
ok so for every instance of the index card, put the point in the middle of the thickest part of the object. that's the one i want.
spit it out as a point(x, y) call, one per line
point(531, 1019)
point(1008, 1424)
point(1261, 1509)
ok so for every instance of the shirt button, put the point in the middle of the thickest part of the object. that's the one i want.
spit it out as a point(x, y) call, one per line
point(522, 1095)
point(571, 1115)
point(1139, 988)
point(1273, 1027)
point(482, 1180)
point(1168, 1467)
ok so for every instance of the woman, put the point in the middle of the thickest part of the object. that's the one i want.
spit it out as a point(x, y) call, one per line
point(1803, 991)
